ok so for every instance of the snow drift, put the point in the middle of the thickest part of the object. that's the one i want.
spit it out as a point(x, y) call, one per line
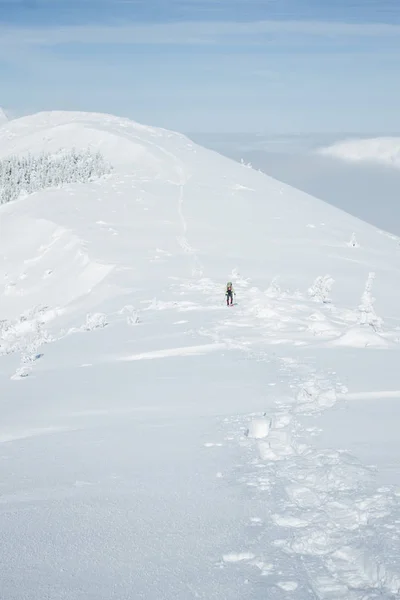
point(157, 444)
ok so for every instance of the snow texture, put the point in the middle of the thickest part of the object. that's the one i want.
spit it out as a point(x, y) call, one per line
point(157, 444)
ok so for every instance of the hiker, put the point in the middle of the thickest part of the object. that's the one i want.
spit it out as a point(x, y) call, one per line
point(229, 293)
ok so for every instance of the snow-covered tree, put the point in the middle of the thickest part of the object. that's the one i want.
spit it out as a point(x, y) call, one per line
point(321, 288)
point(21, 175)
point(353, 241)
point(95, 321)
point(367, 314)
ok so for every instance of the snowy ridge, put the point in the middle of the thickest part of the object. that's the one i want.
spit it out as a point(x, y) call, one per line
point(120, 140)
point(166, 424)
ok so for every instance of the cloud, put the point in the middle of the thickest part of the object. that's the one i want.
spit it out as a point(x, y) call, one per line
point(382, 150)
point(186, 33)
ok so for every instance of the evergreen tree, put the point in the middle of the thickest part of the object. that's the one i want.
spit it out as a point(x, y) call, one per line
point(28, 174)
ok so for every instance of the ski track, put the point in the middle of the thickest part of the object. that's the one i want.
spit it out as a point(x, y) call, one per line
point(197, 267)
point(173, 352)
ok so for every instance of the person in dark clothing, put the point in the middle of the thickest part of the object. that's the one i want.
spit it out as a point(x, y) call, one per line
point(229, 293)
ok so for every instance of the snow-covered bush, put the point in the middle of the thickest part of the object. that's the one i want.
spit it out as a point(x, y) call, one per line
point(95, 321)
point(26, 174)
point(353, 242)
point(273, 289)
point(246, 164)
point(29, 345)
point(321, 289)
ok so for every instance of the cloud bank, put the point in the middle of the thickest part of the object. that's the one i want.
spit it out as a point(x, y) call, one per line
point(189, 32)
point(379, 150)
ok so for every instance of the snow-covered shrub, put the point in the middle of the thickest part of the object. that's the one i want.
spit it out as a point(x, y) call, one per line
point(133, 319)
point(21, 175)
point(30, 345)
point(33, 343)
point(273, 289)
point(367, 314)
point(95, 321)
point(133, 315)
point(353, 242)
point(321, 288)
point(245, 164)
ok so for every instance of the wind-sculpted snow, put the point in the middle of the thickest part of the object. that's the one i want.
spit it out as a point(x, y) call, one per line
point(159, 444)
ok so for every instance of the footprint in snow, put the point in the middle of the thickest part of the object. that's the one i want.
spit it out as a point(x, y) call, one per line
point(234, 557)
point(288, 586)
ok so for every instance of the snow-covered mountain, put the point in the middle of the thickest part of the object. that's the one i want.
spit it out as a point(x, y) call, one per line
point(158, 444)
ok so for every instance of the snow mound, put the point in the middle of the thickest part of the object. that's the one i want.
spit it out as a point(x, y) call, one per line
point(258, 428)
point(361, 337)
point(41, 277)
point(381, 150)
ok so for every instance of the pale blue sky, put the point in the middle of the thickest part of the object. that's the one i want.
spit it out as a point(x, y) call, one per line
point(207, 65)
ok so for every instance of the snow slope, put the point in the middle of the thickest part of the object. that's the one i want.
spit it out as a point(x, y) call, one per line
point(156, 444)
point(3, 117)
point(379, 150)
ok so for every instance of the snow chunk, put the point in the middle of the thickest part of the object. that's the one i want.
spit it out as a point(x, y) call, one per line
point(258, 429)
point(361, 337)
point(237, 557)
point(288, 586)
